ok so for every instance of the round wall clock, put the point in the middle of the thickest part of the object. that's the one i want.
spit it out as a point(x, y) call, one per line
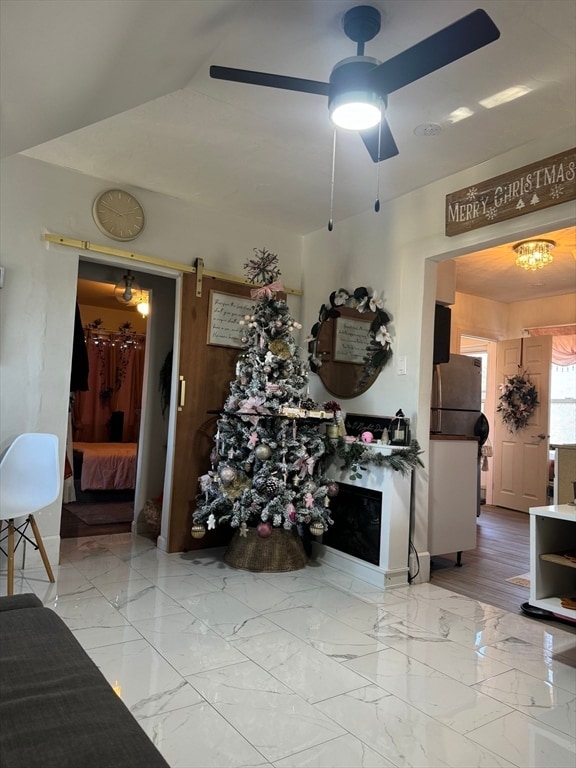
point(118, 214)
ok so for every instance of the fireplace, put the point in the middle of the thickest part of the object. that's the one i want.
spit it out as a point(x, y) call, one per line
point(357, 515)
point(371, 531)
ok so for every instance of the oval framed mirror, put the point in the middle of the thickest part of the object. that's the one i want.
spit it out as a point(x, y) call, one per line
point(350, 343)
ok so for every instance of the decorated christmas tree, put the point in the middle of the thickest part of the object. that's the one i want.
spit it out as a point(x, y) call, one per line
point(265, 465)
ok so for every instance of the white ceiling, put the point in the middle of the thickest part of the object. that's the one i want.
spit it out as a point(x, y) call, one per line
point(121, 91)
point(493, 273)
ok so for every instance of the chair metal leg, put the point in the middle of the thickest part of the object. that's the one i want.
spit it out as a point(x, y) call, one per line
point(40, 544)
point(10, 555)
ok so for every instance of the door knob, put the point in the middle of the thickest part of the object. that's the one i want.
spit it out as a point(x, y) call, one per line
point(541, 436)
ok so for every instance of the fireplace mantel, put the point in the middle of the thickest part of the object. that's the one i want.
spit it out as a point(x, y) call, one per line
point(395, 490)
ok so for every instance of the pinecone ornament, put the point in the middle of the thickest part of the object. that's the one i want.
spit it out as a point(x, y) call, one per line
point(272, 486)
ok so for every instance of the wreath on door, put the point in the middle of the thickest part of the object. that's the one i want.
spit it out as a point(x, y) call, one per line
point(517, 402)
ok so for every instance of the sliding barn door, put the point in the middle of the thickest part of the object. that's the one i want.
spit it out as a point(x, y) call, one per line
point(521, 458)
point(206, 371)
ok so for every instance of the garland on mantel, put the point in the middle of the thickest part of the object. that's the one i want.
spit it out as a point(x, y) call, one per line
point(355, 457)
point(517, 402)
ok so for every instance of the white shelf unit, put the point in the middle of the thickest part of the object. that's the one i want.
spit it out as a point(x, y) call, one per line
point(552, 531)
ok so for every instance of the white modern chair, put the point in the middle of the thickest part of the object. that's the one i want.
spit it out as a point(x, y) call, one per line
point(29, 481)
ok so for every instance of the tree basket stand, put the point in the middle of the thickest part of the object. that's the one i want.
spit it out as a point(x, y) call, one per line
point(281, 551)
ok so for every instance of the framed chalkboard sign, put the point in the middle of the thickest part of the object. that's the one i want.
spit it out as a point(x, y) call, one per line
point(226, 311)
point(351, 342)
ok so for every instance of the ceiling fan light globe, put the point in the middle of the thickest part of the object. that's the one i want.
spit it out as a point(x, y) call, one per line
point(356, 114)
point(352, 101)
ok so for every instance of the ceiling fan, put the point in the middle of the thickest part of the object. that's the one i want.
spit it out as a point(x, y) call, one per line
point(365, 82)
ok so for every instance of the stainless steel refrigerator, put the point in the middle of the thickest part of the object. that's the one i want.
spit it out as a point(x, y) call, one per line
point(456, 396)
point(456, 403)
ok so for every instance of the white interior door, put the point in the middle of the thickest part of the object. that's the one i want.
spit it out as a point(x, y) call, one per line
point(521, 458)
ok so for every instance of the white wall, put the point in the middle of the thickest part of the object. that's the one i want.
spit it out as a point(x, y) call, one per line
point(393, 252)
point(488, 319)
point(561, 310)
point(477, 316)
point(112, 319)
point(38, 299)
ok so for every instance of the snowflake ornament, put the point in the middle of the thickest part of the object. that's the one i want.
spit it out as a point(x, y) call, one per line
point(556, 191)
point(263, 268)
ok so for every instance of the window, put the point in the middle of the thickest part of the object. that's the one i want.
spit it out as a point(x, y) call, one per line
point(473, 347)
point(562, 425)
point(563, 405)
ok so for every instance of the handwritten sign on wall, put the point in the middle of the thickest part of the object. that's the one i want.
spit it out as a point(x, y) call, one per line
point(357, 423)
point(226, 311)
point(352, 338)
point(540, 185)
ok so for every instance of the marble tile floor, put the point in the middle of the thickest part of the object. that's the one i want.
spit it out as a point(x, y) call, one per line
point(226, 668)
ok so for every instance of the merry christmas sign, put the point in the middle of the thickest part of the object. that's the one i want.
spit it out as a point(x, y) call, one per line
point(540, 185)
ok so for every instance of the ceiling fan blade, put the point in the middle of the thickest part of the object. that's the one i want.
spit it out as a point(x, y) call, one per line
point(388, 146)
point(269, 80)
point(449, 44)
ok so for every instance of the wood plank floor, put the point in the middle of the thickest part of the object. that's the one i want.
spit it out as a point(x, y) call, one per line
point(502, 551)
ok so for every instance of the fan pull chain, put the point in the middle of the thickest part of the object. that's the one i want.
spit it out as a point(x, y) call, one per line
point(331, 219)
point(377, 202)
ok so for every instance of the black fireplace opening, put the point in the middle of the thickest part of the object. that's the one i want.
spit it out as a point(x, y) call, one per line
point(357, 515)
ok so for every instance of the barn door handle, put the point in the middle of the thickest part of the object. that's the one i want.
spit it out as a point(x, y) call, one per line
point(181, 393)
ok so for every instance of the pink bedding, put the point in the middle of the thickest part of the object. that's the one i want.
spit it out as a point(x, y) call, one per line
point(107, 466)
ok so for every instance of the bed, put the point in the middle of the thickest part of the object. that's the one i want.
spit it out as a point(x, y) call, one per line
point(105, 466)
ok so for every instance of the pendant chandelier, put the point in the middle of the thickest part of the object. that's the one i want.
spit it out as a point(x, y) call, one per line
point(127, 291)
point(534, 254)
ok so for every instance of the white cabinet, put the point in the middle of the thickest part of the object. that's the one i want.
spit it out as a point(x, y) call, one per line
point(552, 575)
point(453, 495)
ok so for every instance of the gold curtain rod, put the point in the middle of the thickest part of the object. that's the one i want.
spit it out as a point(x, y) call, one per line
point(86, 245)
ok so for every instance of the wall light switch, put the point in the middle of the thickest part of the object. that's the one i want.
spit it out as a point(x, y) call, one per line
point(401, 366)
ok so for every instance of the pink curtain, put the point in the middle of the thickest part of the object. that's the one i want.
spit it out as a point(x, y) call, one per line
point(563, 342)
point(114, 384)
point(564, 350)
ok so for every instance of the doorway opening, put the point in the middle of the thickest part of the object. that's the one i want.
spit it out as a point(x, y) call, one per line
point(118, 429)
point(489, 307)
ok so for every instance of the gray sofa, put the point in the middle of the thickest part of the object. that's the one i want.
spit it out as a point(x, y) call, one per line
point(57, 710)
